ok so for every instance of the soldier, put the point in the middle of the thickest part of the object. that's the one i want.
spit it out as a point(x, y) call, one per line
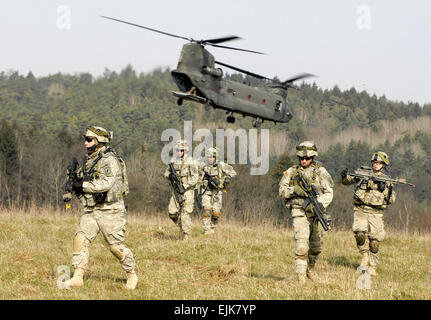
point(216, 176)
point(370, 199)
point(187, 171)
point(307, 230)
point(100, 186)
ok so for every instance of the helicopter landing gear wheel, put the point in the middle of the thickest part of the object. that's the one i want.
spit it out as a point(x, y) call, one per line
point(257, 123)
point(180, 101)
point(230, 119)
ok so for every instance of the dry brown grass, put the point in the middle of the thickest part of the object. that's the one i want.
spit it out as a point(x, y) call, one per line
point(235, 263)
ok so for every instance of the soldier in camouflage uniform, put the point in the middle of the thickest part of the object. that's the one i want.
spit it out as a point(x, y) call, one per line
point(307, 230)
point(101, 185)
point(370, 199)
point(212, 195)
point(187, 171)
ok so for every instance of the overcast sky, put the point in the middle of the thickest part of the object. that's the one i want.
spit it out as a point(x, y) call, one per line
point(381, 46)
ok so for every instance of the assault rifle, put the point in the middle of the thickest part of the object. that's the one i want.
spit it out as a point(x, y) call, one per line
point(318, 208)
point(213, 182)
point(178, 188)
point(71, 177)
point(366, 172)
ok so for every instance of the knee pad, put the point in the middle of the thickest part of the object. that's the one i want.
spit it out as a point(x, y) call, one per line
point(207, 213)
point(360, 238)
point(80, 242)
point(118, 251)
point(301, 251)
point(80, 251)
point(217, 214)
point(374, 245)
point(174, 217)
point(314, 252)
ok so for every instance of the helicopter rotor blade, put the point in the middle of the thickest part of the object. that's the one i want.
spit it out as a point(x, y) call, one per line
point(242, 70)
point(297, 77)
point(211, 42)
point(220, 40)
point(158, 31)
point(232, 48)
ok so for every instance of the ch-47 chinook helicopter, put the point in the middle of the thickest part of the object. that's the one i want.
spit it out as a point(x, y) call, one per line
point(199, 80)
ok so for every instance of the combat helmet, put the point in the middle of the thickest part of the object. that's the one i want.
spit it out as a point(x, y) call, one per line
point(182, 145)
point(102, 135)
point(380, 156)
point(306, 149)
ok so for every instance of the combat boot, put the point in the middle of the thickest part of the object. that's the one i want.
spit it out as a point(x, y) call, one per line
point(132, 280)
point(209, 231)
point(77, 280)
point(311, 273)
point(365, 259)
point(301, 277)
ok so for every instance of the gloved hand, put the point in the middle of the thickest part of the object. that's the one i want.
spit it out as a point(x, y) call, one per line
point(329, 221)
point(381, 185)
point(299, 191)
point(344, 173)
point(226, 181)
point(67, 197)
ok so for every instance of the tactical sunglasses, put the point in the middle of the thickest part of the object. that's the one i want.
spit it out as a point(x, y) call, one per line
point(305, 158)
point(88, 139)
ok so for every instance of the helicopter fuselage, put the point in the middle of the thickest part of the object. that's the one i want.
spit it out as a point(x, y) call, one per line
point(199, 81)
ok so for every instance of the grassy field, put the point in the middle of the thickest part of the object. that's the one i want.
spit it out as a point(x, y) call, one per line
point(235, 263)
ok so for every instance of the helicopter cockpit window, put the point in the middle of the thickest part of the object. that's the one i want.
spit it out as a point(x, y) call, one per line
point(278, 106)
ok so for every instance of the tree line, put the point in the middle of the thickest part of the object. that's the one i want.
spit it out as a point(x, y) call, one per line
point(43, 120)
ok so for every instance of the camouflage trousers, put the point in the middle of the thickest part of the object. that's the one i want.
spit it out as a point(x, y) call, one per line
point(308, 235)
point(181, 215)
point(113, 228)
point(369, 221)
point(212, 203)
